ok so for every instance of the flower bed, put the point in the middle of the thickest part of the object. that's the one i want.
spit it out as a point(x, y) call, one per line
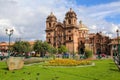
point(67, 62)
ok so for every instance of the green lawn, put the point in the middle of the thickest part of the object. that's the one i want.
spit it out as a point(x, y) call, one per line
point(103, 70)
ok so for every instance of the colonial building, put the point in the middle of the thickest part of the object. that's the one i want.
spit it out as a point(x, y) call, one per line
point(114, 45)
point(100, 43)
point(68, 33)
point(4, 46)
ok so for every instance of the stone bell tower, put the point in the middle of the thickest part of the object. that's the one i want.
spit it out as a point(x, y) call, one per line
point(70, 18)
point(71, 31)
point(50, 24)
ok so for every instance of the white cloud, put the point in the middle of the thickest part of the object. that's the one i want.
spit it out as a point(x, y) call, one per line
point(104, 10)
point(6, 24)
point(27, 17)
point(94, 17)
point(114, 28)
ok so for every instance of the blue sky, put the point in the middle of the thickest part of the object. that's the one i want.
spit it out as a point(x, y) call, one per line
point(114, 18)
point(93, 2)
point(28, 17)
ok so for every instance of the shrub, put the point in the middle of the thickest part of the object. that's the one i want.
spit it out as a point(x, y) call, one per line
point(88, 53)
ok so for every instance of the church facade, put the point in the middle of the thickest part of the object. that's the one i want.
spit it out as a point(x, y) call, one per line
point(68, 33)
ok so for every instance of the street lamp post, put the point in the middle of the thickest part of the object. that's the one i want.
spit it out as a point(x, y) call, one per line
point(9, 33)
point(118, 46)
point(92, 46)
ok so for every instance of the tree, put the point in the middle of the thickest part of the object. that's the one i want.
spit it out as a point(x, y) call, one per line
point(26, 47)
point(62, 49)
point(88, 53)
point(37, 47)
point(45, 47)
point(22, 46)
point(52, 50)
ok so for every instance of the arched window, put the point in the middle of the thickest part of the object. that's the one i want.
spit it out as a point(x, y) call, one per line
point(54, 24)
point(69, 38)
point(74, 21)
point(49, 24)
point(69, 21)
point(69, 31)
point(48, 33)
point(49, 40)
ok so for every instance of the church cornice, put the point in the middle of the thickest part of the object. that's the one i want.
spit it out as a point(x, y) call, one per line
point(71, 27)
point(49, 30)
point(68, 41)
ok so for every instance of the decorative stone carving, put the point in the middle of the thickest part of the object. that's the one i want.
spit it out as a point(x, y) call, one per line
point(15, 63)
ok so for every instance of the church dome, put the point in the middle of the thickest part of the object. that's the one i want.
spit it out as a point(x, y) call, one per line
point(70, 13)
point(82, 27)
point(52, 17)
